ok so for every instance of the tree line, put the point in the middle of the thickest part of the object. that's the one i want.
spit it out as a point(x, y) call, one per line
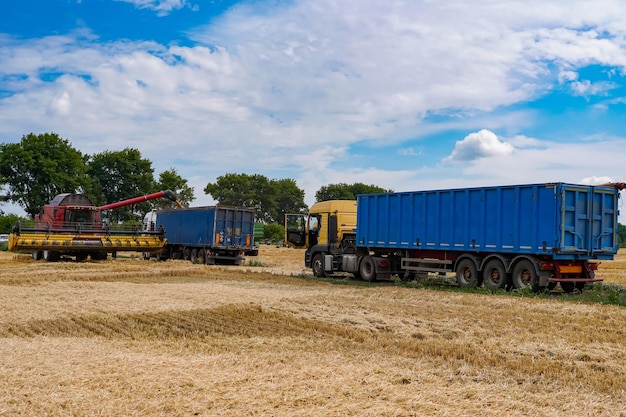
point(35, 170)
point(41, 166)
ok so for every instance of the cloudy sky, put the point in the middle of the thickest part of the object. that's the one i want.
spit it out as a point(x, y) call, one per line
point(407, 95)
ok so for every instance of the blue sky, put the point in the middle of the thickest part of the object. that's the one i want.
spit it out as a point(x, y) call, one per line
point(405, 95)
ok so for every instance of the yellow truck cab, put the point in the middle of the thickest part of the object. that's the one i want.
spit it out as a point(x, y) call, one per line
point(327, 233)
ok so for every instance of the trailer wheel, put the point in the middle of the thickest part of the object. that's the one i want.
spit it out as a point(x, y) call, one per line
point(36, 255)
point(318, 266)
point(466, 274)
point(568, 286)
point(367, 269)
point(201, 258)
point(193, 256)
point(187, 254)
point(494, 275)
point(524, 274)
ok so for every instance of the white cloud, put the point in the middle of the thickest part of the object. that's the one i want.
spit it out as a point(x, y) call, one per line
point(521, 141)
point(162, 7)
point(410, 152)
point(477, 145)
point(593, 180)
point(586, 88)
point(551, 162)
point(286, 91)
point(61, 105)
point(566, 76)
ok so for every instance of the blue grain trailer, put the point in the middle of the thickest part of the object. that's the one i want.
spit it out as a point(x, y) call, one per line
point(211, 235)
point(518, 235)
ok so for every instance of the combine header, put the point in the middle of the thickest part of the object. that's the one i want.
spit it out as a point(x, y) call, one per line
point(72, 225)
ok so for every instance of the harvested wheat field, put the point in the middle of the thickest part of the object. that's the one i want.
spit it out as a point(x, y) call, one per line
point(128, 337)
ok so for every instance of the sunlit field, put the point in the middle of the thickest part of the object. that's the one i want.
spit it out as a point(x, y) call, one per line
point(614, 271)
point(128, 337)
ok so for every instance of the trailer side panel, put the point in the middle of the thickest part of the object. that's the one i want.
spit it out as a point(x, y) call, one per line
point(558, 219)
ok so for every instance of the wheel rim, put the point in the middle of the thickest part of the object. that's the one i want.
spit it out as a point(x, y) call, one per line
point(467, 275)
point(525, 277)
point(318, 268)
point(367, 269)
point(495, 276)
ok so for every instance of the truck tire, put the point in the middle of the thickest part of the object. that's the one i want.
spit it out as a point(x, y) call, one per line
point(193, 255)
point(317, 265)
point(466, 274)
point(568, 287)
point(187, 254)
point(367, 269)
point(494, 274)
point(201, 258)
point(524, 274)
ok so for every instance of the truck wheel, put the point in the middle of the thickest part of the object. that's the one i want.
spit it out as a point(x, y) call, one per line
point(367, 269)
point(524, 274)
point(568, 286)
point(187, 254)
point(201, 259)
point(193, 255)
point(466, 274)
point(494, 275)
point(318, 266)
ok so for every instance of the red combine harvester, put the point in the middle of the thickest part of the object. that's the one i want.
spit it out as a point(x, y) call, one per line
point(72, 225)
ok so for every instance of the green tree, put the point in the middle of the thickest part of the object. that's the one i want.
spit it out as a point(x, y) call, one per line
point(621, 235)
point(270, 198)
point(122, 175)
point(38, 168)
point(274, 232)
point(289, 199)
point(7, 221)
point(344, 191)
point(170, 180)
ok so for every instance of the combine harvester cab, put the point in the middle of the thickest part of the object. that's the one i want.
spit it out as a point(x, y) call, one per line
point(71, 225)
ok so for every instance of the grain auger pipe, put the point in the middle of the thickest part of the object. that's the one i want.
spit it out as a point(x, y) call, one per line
point(618, 185)
point(161, 194)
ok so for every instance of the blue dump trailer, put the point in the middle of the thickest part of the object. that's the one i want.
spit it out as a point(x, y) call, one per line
point(535, 235)
point(205, 235)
